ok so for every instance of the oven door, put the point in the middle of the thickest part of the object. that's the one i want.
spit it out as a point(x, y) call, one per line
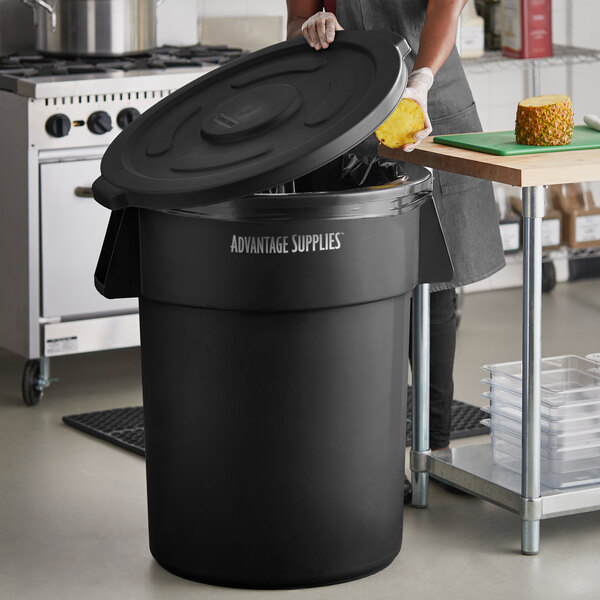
point(72, 230)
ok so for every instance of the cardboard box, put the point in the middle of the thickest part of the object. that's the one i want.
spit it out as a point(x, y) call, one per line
point(580, 214)
point(509, 220)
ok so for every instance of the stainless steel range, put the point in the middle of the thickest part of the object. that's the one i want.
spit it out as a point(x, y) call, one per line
point(57, 116)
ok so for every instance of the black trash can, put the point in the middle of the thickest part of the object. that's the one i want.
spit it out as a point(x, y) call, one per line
point(274, 327)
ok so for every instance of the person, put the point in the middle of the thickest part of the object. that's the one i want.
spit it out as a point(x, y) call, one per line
point(465, 205)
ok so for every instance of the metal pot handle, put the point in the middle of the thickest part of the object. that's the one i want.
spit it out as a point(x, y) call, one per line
point(48, 7)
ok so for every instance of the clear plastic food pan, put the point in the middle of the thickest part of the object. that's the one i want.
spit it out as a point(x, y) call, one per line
point(559, 374)
point(595, 358)
point(588, 475)
point(562, 459)
point(511, 421)
point(570, 386)
point(510, 405)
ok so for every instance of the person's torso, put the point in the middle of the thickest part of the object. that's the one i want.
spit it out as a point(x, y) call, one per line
point(466, 207)
point(450, 92)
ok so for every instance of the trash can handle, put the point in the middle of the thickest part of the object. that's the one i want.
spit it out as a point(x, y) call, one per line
point(109, 195)
point(435, 264)
point(400, 42)
point(118, 271)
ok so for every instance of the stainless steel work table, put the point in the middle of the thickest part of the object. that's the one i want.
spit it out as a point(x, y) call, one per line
point(471, 468)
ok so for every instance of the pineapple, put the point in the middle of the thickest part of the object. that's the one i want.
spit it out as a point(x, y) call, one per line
point(544, 121)
point(401, 125)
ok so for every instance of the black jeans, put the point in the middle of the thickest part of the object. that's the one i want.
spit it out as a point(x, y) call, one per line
point(442, 345)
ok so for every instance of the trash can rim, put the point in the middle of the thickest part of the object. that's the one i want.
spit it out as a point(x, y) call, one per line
point(377, 201)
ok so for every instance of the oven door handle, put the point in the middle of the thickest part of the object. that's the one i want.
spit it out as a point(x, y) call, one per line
point(84, 192)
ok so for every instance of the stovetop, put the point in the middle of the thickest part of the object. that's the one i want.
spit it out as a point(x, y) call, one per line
point(32, 66)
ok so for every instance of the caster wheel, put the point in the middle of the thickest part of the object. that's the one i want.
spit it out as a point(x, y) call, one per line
point(548, 276)
point(32, 394)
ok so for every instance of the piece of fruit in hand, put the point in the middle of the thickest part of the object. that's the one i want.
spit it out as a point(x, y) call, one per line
point(400, 127)
point(544, 121)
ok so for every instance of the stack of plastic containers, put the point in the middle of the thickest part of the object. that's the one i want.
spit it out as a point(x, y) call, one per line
point(570, 419)
point(594, 357)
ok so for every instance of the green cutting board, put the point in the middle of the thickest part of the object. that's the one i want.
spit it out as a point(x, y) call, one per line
point(503, 142)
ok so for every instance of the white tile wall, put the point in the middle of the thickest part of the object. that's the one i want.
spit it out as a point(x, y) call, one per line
point(584, 23)
point(216, 8)
point(241, 8)
point(586, 90)
point(176, 23)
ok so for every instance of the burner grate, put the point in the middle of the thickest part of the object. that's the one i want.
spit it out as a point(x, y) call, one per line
point(163, 57)
point(31, 64)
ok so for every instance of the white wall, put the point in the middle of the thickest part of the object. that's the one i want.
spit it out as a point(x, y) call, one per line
point(176, 23)
point(242, 8)
point(248, 24)
point(575, 23)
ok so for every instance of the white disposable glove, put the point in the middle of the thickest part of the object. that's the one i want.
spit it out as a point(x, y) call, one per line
point(419, 83)
point(319, 30)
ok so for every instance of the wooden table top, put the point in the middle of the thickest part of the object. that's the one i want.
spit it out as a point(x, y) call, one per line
point(548, 168)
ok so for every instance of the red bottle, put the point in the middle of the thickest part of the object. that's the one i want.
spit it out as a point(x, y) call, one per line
point(527, 28)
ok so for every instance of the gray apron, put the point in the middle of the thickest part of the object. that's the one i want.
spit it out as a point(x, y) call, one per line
point(465, 205)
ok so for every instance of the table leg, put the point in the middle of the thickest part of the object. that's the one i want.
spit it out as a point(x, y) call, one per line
point(420, 395)
point(533, 211)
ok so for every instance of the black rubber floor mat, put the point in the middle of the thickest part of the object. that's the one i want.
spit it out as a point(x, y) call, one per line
point(465, 420)
point(121, 426)
point(125, 426)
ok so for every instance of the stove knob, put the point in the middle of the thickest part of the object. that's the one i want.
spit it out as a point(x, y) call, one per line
point(127, 116)
point(99, 122)
point(58, 125)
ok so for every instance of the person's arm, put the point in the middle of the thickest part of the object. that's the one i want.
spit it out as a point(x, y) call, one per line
point(306, 17)
point(438, 35)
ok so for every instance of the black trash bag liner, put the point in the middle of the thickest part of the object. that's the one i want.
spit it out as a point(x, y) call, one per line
point(350, 171)
point(367, 171)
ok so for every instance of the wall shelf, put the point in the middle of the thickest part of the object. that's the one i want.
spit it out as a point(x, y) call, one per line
point(563, 55)
point(562, 253)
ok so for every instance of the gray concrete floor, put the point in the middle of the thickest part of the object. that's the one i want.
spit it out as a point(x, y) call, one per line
point(73, 509)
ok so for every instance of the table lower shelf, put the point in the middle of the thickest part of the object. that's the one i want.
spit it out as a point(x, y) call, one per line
point(472, 469)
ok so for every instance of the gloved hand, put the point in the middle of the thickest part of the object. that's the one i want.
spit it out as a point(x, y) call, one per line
point(419, 83)
point(319, 30)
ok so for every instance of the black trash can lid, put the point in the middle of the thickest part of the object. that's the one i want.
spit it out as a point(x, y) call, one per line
point(256, 122)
